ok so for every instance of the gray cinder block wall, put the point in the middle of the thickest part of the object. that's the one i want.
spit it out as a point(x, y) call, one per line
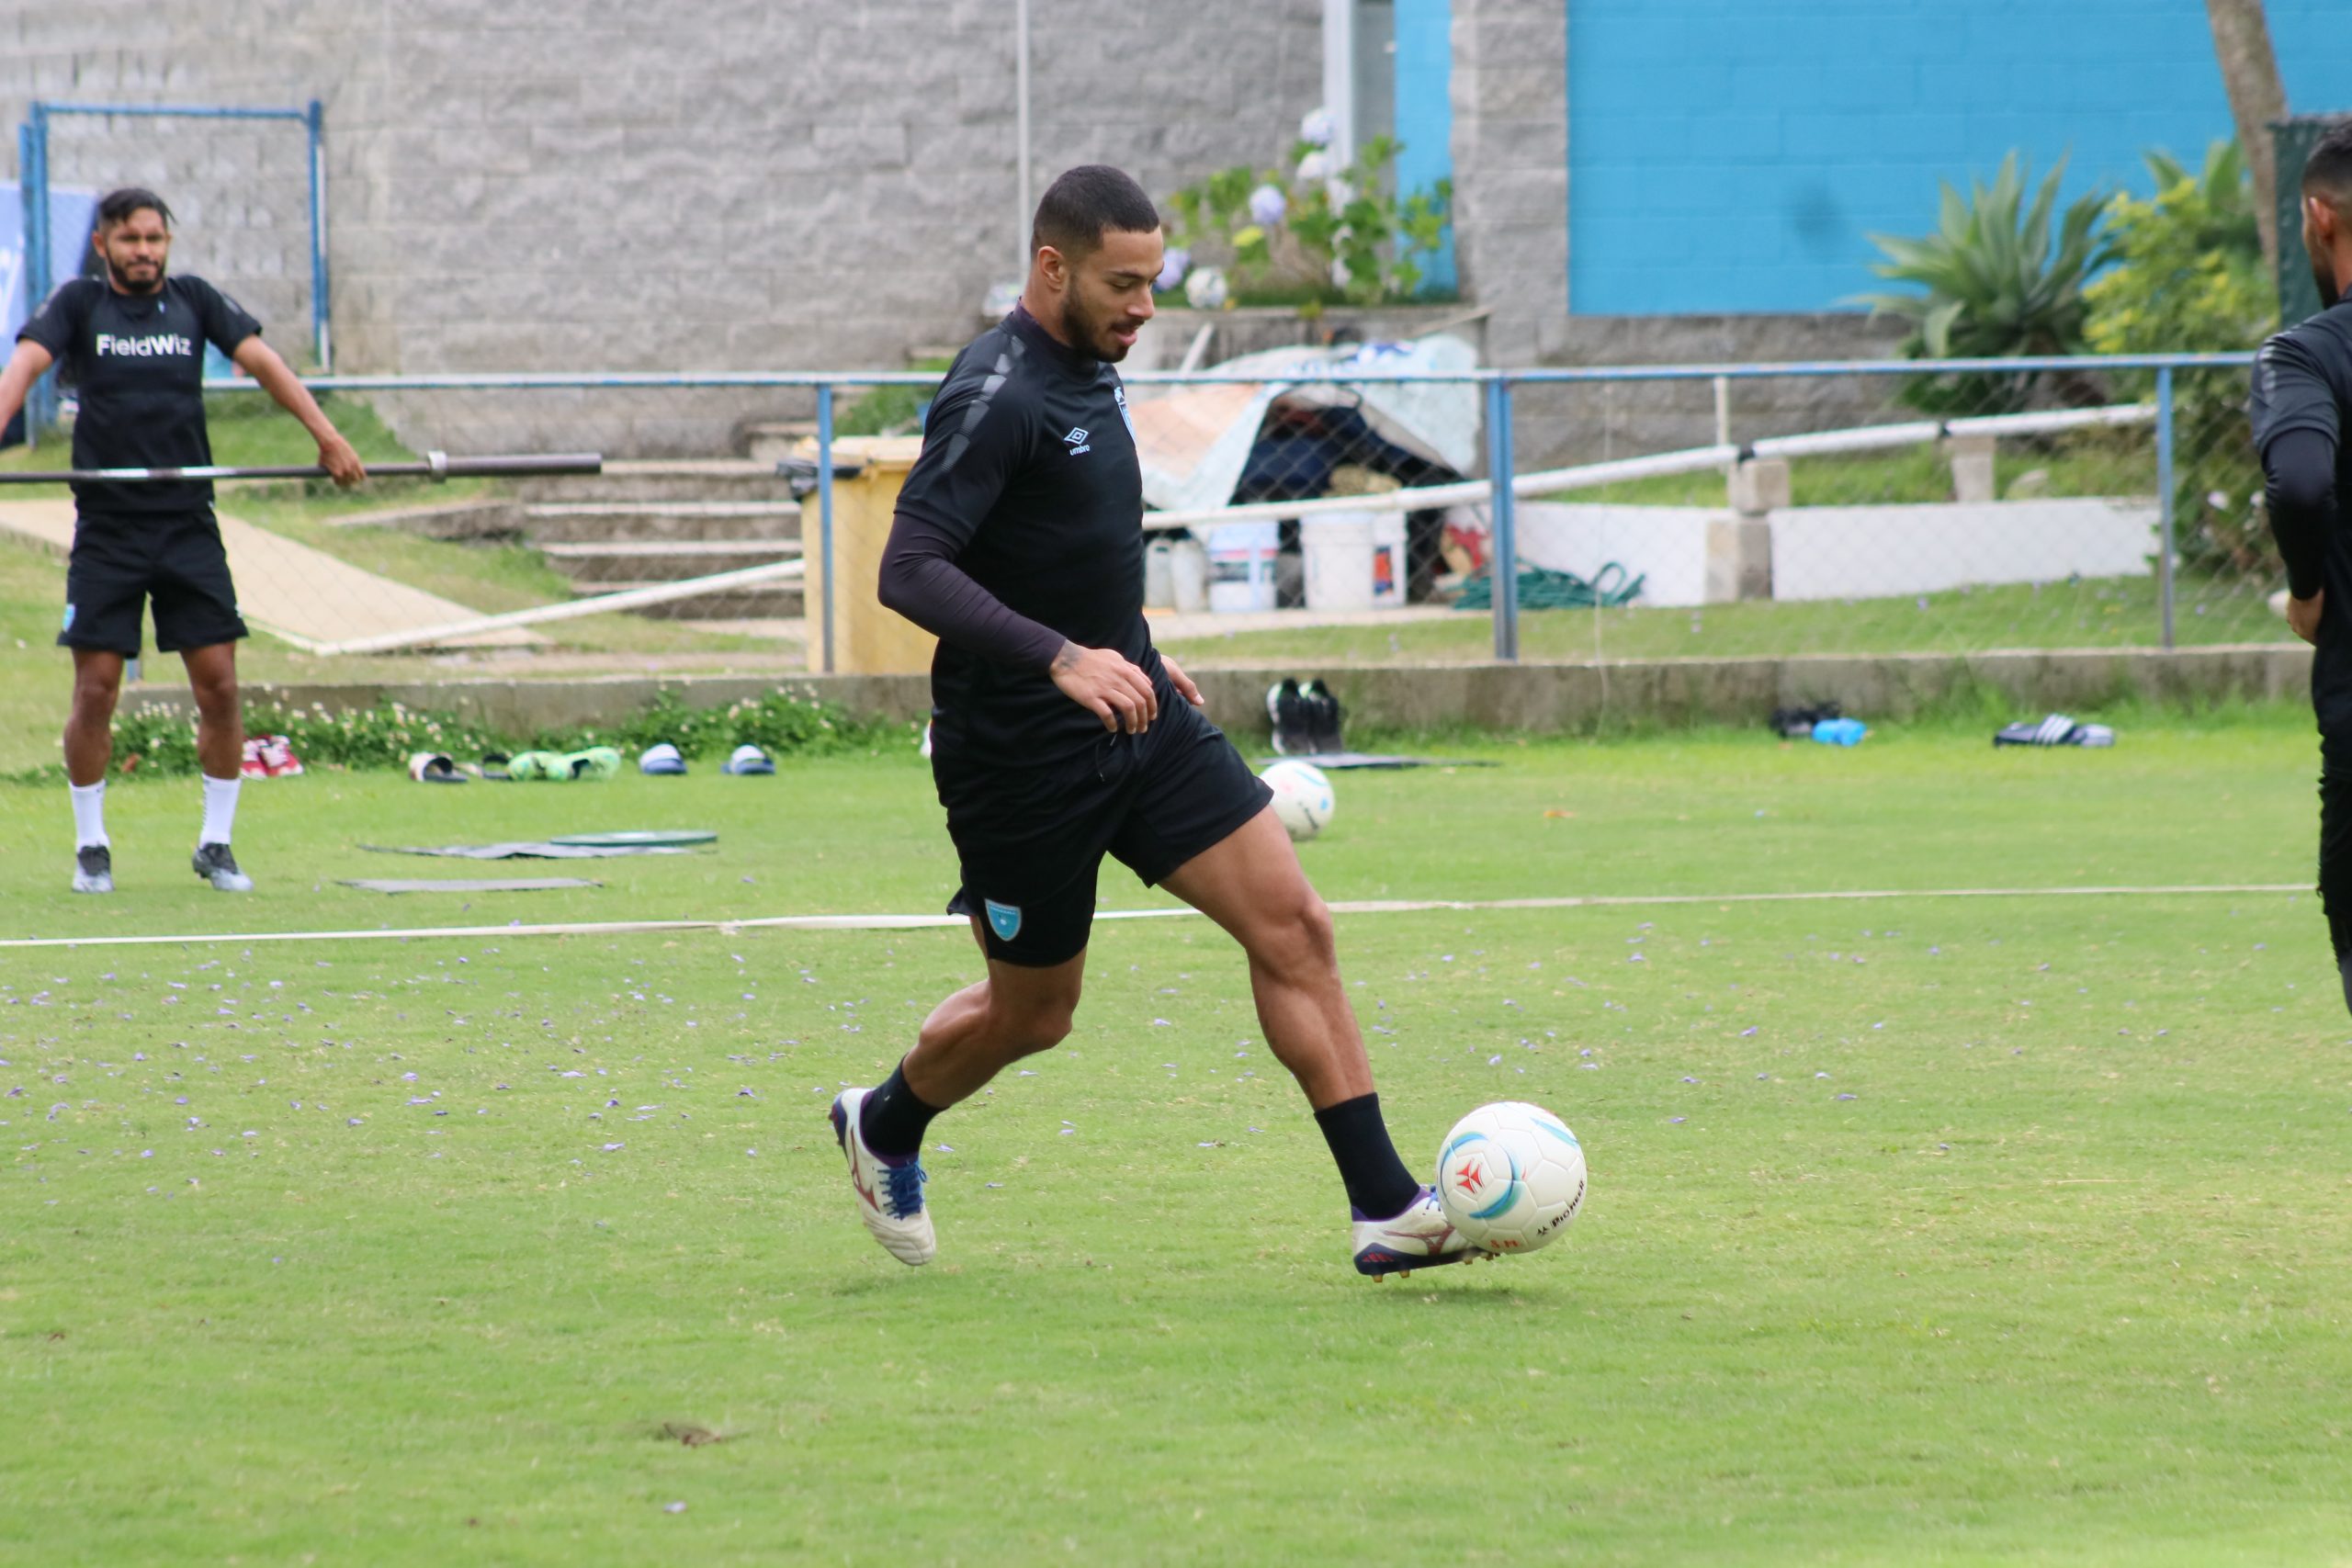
point(786, 184)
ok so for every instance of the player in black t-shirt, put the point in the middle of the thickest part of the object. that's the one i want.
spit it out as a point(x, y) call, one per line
point(2303, 390)
point(1059, 735)
point(132, 348)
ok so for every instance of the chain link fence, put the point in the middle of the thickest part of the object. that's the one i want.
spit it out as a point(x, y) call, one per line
point(1331, 503)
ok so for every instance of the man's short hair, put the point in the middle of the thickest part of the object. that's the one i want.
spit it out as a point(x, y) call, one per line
point(1085, 203)
point(2327, 171)
point(118, 205)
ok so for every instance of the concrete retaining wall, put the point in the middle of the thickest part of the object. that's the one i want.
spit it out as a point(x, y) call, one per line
point(1535, 698)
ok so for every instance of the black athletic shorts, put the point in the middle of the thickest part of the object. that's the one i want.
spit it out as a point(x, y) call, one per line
point(1030, 840)
point(120, 563)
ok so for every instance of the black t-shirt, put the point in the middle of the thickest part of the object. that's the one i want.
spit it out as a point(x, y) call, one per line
point(2302, 386)
point(1021, 526)
point(136, 362)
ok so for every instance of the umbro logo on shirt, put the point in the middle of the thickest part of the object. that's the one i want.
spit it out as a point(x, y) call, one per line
point(1076, 442)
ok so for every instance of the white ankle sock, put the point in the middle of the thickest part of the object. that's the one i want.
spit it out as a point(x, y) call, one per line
point(89, 813)
point(219, 809)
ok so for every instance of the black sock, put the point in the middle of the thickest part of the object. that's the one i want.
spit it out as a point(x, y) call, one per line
point(1378, 1184)
point(894, 1117)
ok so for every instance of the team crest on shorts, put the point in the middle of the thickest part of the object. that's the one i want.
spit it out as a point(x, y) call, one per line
point(1004, 919)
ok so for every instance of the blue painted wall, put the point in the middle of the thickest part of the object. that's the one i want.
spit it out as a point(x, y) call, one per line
point(1731, 155)
point(1425, 113)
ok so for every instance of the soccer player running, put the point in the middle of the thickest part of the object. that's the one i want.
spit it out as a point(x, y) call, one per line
point(2302, 388)
point(132, 347)
point(1059, 735)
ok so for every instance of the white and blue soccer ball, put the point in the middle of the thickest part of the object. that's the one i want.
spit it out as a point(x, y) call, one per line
point(1511, 1177)
point(1302, 798)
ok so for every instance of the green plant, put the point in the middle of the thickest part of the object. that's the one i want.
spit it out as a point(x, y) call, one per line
point(156, 741)
point(889, 410)
point(1315, 237)
point(2189, 276)
point(1995, 282)
point(781, 722)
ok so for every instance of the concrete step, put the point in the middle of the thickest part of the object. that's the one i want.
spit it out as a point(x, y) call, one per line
point(771, 440)
point(663, 478)
point(609, 562)
point(761, 601)
point(563, 522)
point(493, 521)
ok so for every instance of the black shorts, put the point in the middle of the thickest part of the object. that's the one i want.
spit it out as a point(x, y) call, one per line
point(120, 563)
point(1032, 839)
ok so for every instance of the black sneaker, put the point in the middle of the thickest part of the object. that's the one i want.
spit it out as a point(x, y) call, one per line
point(217, 865)
point(94, 868)
point(1288, 709)
point(1322, 718)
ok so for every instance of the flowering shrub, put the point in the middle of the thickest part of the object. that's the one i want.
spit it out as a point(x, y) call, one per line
point(152, 739)
point(1314, 236)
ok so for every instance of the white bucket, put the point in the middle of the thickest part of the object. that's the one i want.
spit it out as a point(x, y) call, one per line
point(1241, 565)
point(1188, 571)
point(1338, 547)
point(1159, 577)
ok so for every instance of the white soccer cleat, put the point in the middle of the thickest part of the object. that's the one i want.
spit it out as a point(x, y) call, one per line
point(889, 1193)
point(217, 865)
point(94, 868)
point(1420, 1237)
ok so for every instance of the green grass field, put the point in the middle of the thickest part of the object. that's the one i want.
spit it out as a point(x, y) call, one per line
point(1930, 1230)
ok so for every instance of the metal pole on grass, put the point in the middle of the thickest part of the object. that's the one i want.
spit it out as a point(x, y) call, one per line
point(824, 611)
point(314, 118)
point(1504, 564)
point(2164, 495)
point(32, 170)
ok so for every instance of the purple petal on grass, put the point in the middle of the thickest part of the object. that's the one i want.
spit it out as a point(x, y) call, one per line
point(1845, 1097)
point(613, 1148)
point(1676, 1121)
point(1748, 1030)
point(674, 1507)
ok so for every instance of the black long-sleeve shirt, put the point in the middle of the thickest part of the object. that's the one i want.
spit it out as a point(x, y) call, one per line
point(2302, 385)
point(1019, 528)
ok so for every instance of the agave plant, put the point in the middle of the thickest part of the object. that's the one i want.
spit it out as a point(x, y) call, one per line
point(1995, 283)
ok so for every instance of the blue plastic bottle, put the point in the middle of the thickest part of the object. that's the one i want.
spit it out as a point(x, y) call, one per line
point(1840, 731)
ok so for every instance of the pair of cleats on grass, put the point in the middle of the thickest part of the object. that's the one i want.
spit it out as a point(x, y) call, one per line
point(1306, 717)
point(94, 868)
point(890, 1202)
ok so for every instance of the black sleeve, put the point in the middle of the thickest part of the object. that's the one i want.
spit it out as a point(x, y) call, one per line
point(977, 438)
point(59, 323)
point(226, 324)
point(2293, 410)
point(2299, 481)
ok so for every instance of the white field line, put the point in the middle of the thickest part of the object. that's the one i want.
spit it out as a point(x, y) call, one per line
point(1344, 907)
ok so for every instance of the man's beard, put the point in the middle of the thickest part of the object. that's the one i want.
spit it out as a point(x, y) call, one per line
point(128, 286)
point(2324, 273)
point(1092, 334)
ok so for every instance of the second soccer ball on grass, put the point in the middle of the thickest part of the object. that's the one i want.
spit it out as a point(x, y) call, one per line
point(1302, 798)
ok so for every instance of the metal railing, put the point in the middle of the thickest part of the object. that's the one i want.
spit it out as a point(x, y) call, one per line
point(2091, 467)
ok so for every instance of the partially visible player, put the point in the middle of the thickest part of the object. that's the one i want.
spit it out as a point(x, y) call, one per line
point(2302, 389)
point(132, 348)
point(1059, 735)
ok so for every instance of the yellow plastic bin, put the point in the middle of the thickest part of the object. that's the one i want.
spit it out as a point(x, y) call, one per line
point(867, 639)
